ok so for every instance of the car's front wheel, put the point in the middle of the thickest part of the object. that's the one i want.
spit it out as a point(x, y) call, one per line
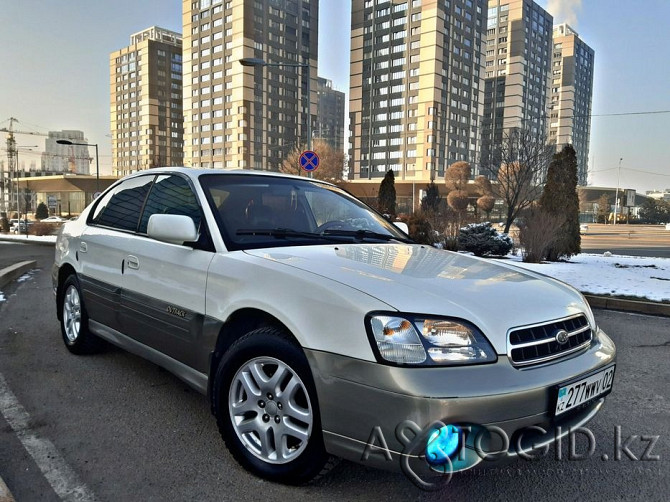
point(267, 410)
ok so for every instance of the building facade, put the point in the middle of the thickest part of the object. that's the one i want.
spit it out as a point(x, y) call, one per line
point(416, 91)
point(517, 70)
point(59, 159)
point(146, 102)
point(330, 114)
point(571, 94)
point(248, 117)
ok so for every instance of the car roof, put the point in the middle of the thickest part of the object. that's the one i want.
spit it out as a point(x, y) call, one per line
point(194, 173)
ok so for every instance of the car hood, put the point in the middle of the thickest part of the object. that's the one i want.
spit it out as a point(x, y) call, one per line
point(423, 280)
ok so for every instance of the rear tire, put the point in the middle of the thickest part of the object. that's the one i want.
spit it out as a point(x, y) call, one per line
point(267, 410)
point(74, 320)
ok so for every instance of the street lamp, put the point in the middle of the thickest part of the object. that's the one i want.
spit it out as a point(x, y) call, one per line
point(261, 62)
point(97, 165)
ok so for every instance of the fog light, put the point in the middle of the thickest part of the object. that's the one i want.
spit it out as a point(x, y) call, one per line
point(442, 444)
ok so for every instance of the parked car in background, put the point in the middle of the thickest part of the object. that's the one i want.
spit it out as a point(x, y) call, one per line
point(53, 219)
point(21, 227)
point(315, 326)
point(583, 228)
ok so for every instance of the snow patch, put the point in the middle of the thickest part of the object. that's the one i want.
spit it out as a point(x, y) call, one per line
point(25, 277)
point(609, 275)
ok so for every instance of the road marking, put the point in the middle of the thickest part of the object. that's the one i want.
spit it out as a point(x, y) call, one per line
point(60, 476)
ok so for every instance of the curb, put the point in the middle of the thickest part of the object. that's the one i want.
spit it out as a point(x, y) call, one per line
point(10, 273)
point(638, 307)
point(5, 494)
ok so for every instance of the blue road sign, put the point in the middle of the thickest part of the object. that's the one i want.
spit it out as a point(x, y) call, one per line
point(309, 160)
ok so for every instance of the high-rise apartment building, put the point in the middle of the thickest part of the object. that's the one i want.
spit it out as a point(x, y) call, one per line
point(146, 102)
point(518, 63)
point(59, 159)
point(416, 91)
point(248, 117)
point(330, 114)
point(571, 92)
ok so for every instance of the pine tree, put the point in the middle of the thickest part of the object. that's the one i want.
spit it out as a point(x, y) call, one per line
point(42, 211)
point(431, 201)
point(386, 197)
point(560, 198)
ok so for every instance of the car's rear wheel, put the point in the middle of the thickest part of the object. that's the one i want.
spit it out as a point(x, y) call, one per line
point(267, 410)
point(74, 319)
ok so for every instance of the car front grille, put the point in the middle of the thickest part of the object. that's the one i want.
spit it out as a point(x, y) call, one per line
point(539, 343)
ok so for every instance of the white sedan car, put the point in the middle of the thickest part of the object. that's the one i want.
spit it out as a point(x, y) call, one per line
point(318, 329)
point(53, 219)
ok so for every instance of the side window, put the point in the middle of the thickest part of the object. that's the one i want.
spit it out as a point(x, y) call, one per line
point(121, 207)
point(170, 195)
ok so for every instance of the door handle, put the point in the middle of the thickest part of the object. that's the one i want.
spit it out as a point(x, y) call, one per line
point(83, 247)
point(133, 262)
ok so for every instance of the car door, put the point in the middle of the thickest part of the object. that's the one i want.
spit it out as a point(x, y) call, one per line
point(163, 294)
point(101, 248)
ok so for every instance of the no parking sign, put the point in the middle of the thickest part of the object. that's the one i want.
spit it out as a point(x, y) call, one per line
point(309, 161)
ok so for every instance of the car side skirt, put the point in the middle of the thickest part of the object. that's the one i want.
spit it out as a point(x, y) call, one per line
point(192, 377)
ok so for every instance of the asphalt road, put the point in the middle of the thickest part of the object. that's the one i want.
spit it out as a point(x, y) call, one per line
point(11, 253)
point(633, 240)
point(130, 431)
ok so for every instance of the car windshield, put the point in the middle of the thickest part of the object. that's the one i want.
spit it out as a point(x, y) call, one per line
point(268, 211)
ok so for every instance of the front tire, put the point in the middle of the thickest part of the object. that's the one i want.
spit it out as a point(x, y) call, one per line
point(74, 320)
point(266, 408)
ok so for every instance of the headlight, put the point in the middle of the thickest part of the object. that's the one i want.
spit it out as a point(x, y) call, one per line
point(417, 340)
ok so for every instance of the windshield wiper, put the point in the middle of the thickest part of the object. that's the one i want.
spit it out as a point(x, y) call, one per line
point(330, 235)
point(363, 234)
point(283, 233)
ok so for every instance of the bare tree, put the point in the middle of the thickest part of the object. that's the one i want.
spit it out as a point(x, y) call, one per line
point(538, 233)
point(331, 162)
point(519, 163)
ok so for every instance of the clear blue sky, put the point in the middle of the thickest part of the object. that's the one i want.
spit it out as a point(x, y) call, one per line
point(54, 72)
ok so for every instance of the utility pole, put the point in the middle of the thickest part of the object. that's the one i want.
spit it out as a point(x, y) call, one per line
point(616, 200)
point(12, 163)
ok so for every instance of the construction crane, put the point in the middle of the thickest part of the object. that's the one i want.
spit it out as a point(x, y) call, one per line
point(12, 158)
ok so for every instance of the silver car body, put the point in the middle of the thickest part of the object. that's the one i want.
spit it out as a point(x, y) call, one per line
point(171, 304)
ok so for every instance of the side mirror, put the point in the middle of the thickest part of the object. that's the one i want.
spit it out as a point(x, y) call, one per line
point(173, 228)
point(402, 226)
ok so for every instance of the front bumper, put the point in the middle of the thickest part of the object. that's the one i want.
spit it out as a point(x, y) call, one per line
point(362, 402)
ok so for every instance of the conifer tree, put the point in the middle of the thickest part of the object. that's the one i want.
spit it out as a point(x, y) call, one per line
point(386, 197)
point(560, 198)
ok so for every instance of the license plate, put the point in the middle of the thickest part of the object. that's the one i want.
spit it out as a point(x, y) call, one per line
point(572, 395)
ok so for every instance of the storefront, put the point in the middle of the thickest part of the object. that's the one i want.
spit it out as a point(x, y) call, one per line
point(64, 195)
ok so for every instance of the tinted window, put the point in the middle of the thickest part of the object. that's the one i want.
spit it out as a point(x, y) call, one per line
point(249, 208)
point(121, 207)
point(170, 195)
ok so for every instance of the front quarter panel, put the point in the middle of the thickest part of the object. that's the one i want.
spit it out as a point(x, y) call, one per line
point(322, 314)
